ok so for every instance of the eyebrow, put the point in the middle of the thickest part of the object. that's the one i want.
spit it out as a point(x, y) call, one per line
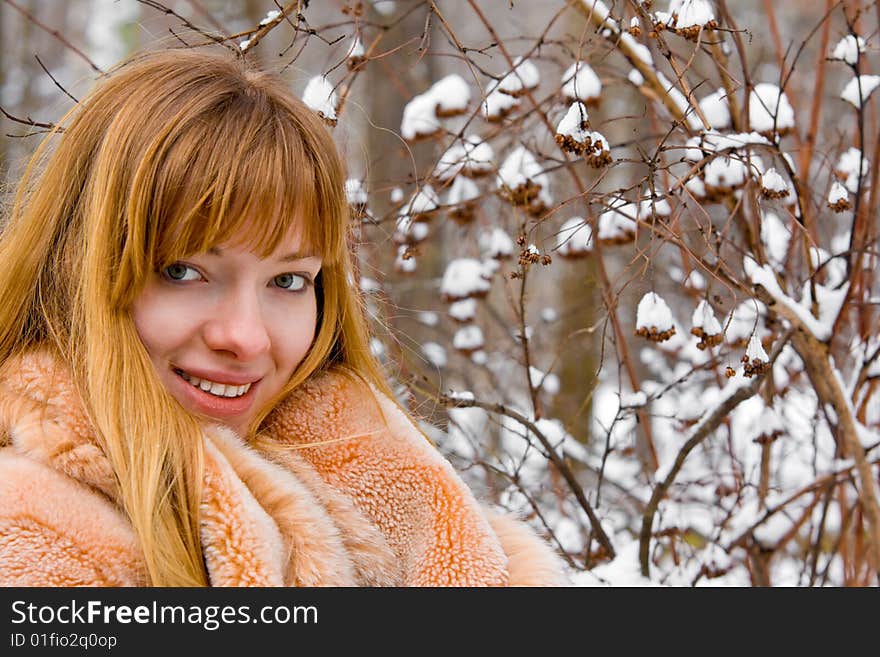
point(290, 257)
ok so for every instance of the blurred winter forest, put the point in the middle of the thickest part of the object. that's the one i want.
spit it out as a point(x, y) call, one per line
point(622, 256)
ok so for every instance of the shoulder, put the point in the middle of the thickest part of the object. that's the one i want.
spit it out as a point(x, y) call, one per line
point(55, 531)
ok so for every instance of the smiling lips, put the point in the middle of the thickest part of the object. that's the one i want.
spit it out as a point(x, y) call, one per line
point(214, 388)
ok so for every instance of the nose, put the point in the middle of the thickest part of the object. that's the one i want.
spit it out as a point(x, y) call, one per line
point(238, 327)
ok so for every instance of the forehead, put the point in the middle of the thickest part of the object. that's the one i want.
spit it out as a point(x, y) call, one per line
point(286, 245)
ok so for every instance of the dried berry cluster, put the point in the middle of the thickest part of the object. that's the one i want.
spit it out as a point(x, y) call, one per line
point(525, 195)
point(774, 193)
point(841, 205)
point(654, 334)
point(706, 339)
point(754, 367)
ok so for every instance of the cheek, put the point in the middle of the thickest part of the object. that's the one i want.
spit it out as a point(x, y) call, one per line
point(161, 323)
point(293, 336)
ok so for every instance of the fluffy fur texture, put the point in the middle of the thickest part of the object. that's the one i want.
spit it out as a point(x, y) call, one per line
point(342, 491)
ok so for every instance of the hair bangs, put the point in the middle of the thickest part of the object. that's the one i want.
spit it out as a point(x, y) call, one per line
point(265, 180)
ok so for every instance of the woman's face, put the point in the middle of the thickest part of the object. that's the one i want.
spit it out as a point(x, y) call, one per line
point(226, 329)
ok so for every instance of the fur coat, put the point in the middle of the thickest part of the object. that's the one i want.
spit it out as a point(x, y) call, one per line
point(345, 492)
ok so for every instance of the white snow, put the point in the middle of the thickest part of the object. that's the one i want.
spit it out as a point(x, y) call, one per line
point(726, 172)
point(848, 49)
point(549, 383)
point(571, 123)
point(597, 8)
point(649, 207)
point(719, 142)
point(463, 278)
point(420, 117)
point(599, 138)
point(497, 104)
point(462, 191)
point(423, 201)
point(704, 318)
point(633, 399)
point(385, 7)
point(775, 235)
point(405, 265)
point(468, 338)
point(370, 285)
point(320, 97)
point(519, 167)
point(407, 230)
point(838, 193)
point(355, 192)
point(772, 181)
point(451, 93)
point(495, 243)
point(769, 109)
point(428, 318)
point(848, 167)
point(271, 15)
point(641, 51)
point(435, 354)
point(356, 50)
point(618, 221)
point(653, 312)
point(716, 109)
point(755, 350)
point(574, 237)
point(822, 327)
point(690, 13)
point(866, 84)
point(580, 82)
point(471, 155)
point(523, 76)
point(463, 310)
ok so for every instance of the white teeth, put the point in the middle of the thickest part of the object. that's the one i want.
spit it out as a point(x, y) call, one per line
point(214, 388)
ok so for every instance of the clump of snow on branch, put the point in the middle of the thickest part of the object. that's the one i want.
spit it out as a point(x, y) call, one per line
point(654, 318)
point(320, 97)
point(716, 109)
point(523, 182)
point(463, 278)
point(773, 185)
point(574, 239)
point(848, 166)
point(858, 89)
point(687, 17)
point(756, 360)
point(471, 156)
point(769, 110)
point(617, 224)
point(838, 198)
point(705, 326)
point(421, 115)
point(580, 82)
point(848, 49)
point(522, 78)
point(573, 131)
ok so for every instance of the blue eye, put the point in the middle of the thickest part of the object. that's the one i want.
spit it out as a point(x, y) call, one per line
point(180, 272)
point(290, 281)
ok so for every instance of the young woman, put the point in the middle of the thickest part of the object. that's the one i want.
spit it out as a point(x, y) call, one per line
point(187, 396)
